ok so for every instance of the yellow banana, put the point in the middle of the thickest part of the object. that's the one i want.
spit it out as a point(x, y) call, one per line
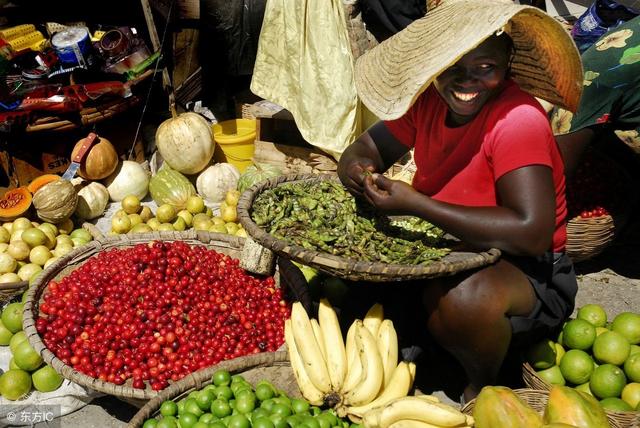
point(371, 419)
point(317, 333)
point(372, 375)
point(373, 318)
point(399, 386)
point(307, 388)
point(354, 367)
point(336, 355)
point(423, 410)
point(431, 398)
point(470, 421)
point(309, 349)
point(388, 348)
point(412, 423)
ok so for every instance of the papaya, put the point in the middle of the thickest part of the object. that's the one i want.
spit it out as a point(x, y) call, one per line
point(14, 203)
point(500, 407)
point(40, 181)
point(570, 406)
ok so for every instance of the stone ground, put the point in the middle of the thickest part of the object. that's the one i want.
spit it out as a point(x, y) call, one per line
point(612, 280)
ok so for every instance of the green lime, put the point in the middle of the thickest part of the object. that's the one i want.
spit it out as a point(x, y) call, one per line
point(245, 404)
point(238, 421)
point(223, 391)
point(204, 399)
point(221, 377)
point(264, 392)
point(200, 424)
point(576, 366)
point(541, 355)
point(279, 421)
point(267, 404)
point(584, 388)
point(220, 408)
point(14, 384)
point(150, 423)
point(632, 367)
point(552, 375)
point(559, 352)
point(607, 381)
point(262, 422)
point(594, 314)
point(191, 406)
point(615, 404)
point(237, 378)
point(310, 421)
point(611, 347)
point(207, 418)
point(217, 424)
point(578, 334)
point(167, 422)
point(168, 408)
point(631, 394)
point(187, 420)
point(627, 324)
point(281, 409)
point(299, 405)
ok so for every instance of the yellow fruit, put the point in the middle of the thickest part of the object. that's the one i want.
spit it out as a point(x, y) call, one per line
point(611, 347)
point(166, 213)
point(5, 335)
point(576, 366)
point(46, 379)
point(26, 357)
point(628, 325)
point(552, 375)
point(195, 204)
point(229, 213)
point(542, 355)
point(631, 394)
point(232, 197)
point(615, 404)
point(499, 406)
point(584, 388)
point(12, 317)
point(607, 381)
point(131, 204)
point(594, 314)
point(559, 352)
point(578, 334)
point(600, 330)
point(570, 406)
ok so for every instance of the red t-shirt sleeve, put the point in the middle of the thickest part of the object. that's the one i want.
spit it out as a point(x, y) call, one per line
point(521, 138)
point(404, 128)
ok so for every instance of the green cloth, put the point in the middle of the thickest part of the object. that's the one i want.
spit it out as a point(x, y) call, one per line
point(611, 95)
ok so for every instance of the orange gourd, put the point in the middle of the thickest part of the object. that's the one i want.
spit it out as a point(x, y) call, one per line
point(14, 203)
point(38, 182)
point(99, 162)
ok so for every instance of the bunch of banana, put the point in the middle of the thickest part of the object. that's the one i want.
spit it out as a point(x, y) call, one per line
point(420, 411)
point(353, 375)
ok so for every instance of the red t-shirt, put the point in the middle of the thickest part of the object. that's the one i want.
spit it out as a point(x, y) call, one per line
point(461, 165)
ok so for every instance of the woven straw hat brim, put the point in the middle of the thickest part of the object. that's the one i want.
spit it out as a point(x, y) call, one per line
point(546, 62)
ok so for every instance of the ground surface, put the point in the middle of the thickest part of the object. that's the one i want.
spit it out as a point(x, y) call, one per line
point(611, 280)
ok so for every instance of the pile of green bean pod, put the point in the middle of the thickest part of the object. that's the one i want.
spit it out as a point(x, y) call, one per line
point(323, 216)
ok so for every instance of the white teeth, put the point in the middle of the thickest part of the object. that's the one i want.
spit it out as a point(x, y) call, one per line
point(464, 96)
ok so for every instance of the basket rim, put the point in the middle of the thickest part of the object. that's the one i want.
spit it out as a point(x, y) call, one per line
point(346, 267)
point(202, 377)
point(80, 255)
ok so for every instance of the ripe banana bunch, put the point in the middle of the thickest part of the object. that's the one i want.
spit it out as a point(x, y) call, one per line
point(421, 411)
point(353, 375)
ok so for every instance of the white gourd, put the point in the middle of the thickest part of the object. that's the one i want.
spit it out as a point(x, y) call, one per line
point(186, 142)
point(130, 178)
point(92, 201)
point(214, 182)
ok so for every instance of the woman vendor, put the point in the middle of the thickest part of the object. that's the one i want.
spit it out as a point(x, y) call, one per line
point(457, 86)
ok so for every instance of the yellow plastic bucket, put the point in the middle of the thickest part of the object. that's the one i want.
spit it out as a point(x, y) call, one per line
point(235, 142)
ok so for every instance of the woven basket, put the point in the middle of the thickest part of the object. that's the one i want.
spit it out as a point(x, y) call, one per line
point(588, 237)
point(617, 419)
point(226, 244)
point(352, 269)
point(271, 366)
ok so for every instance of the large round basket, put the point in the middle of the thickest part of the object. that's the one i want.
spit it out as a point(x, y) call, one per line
point(347, 268)
point(226, 244)
point(271, 366)
point(617, 419)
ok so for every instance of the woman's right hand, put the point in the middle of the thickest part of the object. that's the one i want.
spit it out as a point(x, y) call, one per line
point(352, 173)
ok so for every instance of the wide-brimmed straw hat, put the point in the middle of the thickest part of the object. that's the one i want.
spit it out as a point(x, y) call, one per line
point(546, 61)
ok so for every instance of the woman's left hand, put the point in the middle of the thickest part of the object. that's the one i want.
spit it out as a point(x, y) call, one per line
point(391, 196)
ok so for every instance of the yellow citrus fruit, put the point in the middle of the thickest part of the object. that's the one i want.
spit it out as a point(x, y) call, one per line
point(576, 366)
point(542, 355)
point(12, 317)
point(600, 330)
point(46, 379)
point(584, 388)
point(615, 404)
point(14, 384)
point(607, 381)
point(628, 325)
point(635, 349)
point(631, 394)
point(559, 352)
point(578, 334)
point(594, 314)
point(552, 375)
point(632, 367)
point(611, 347)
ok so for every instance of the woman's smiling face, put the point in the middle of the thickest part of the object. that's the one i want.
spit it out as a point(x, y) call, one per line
point(477, 77)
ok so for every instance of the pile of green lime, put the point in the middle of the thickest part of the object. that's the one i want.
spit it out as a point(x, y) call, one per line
point(232, 402)
point(595, 356)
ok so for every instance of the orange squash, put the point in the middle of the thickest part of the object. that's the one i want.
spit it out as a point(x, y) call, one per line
point(38, 182)
point(14, 203)
point(99, 162)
